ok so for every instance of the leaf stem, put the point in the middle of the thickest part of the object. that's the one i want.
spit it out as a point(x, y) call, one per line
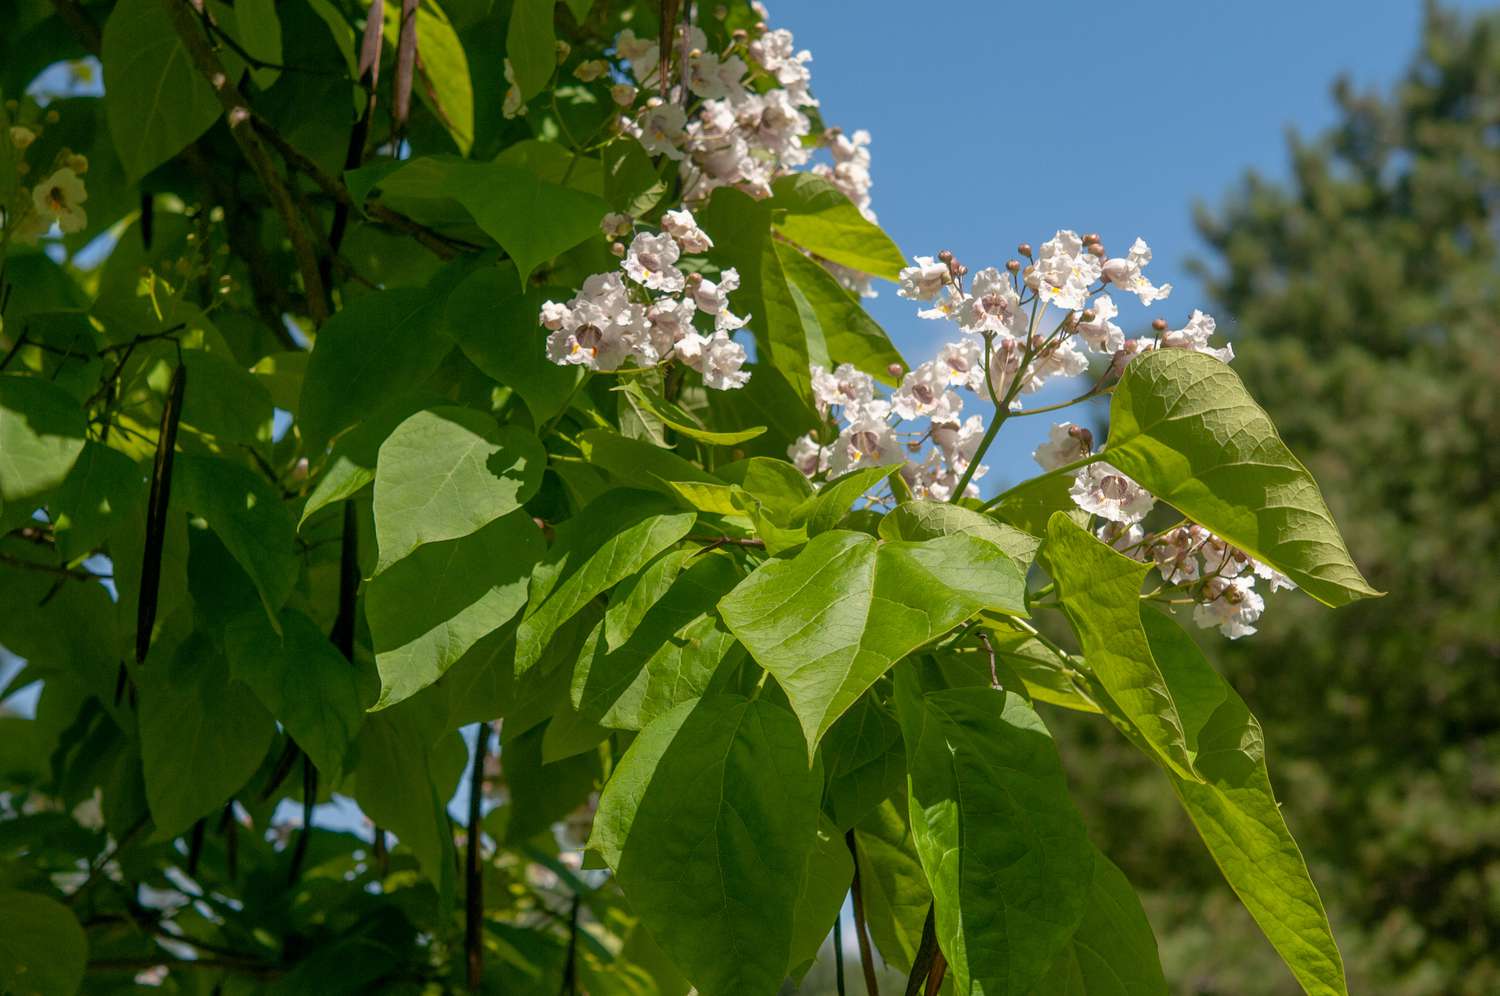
point(861, 927)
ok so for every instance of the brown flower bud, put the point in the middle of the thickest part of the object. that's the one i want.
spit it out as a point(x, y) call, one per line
point(1013, 265)
point(894, 370)
point(1097, 249)
point(1091, 238)
point(1159, 324)
point(945, 256)
point(1024, 249)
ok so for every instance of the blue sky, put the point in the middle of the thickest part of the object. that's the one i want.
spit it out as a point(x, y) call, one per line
point(995, 123)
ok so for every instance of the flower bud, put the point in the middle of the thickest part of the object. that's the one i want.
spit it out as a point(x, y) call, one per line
point(622, 94)
point(1013, 265)
point(1096, 250)
point(1024, 249)
point(894, 370)
point(21, 137)
point(1083, 435)
point(1091, 238)
point(945, 256)
point(1159, 324)
point(618, 248)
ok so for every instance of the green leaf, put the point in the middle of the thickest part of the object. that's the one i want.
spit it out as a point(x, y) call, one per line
point(708, 822)
point(605, 558)
point(999, 837)
point(351, 463)
point(427, 609)
point(305, 683)
point(496, 327)
point(377, 346)
point(822, 220)
point(248, 515)
point(1100, 591)
point(895, 887)
point(834, 618)
point(41, 437)
point(920, 520)
point(43, 949)
point(1236, 813)
point(810, 318)
point(254, 24)
point(156, 102)
point(203, 734)
point(443, 70)
point(1030, 506)
point(636, 596)
point(224, 400)
point(531, 45)
point(681, 422)
point(639, 463)
point(826, 509)
point(1184, 427)
point(541, 794)
point(104, 489)
point(1038, 670)
point(406, 768)
point(825, 884)
point(864, 761)
point(1113, 952)
point(674, 653)
point(632, 183)
point(448, 472)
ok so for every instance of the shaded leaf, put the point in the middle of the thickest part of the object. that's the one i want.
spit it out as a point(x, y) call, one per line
point(41, 436)
point(43, 949)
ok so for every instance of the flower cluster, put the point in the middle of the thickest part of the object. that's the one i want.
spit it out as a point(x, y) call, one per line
point(644, 312)
point(1220, 578)
point(56, 198)
point(742, 121)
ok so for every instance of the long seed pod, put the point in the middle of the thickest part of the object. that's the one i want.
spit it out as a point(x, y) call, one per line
point(474, 891)
point(406, 65)
point(156, 513)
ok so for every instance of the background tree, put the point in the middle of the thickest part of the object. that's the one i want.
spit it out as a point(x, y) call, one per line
point(1364, 298)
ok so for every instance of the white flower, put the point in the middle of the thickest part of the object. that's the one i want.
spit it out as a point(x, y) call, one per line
point(650, 262)
point(641, 53)
point(932, 479)
point(683, 227)
point(1175, 553)
point(717, 357)
point(808, 457)
point(846, 386)
point(923, 281)
point(1109, 494)
point(1277, 579)
point(1125, 273)
point(615, 225)
point(57, 198)
point(963, 362)
point(1125, 538)
point(1061, 359)
point(924, 392)
point(713, 78)
point(554, 315)
point(1065, 444)
point(1195, 335)
point(662, 130)
point(1064, 271)
point(993, 305)
point(1230, 604)
point(1102, 334)
point(512, 105)
point(21, 137)
point(713, 298)
point(670, 319)
point(866, 442)
point(958, 443)
point(774, 51)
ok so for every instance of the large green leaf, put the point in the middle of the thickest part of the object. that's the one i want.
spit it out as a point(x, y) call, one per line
point(1113, 952)
point(531, 46)
point(305, 683)
point(832, 619)
point(1184, 427)
point(895, 888)
point(350, 466)
point(43, 949)
point(496, 327)
point(821, 219)
point(156, 102)
point(1236, 811)
point(920, 520)
point(1100, 591)
point(864, 762)
point(604, 550)
point(429, 608)
point(824, 886)
point(672, 654)
point(203, 734)
point(448, 472)
point(999, 837)
point(707, 822)
point(249, 517)
point(41, 436)
point(405, 771)
point(377, 346)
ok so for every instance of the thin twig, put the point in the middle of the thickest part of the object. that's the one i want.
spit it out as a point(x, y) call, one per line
point(474, 875)
point(861, 928)
point(926, 956)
